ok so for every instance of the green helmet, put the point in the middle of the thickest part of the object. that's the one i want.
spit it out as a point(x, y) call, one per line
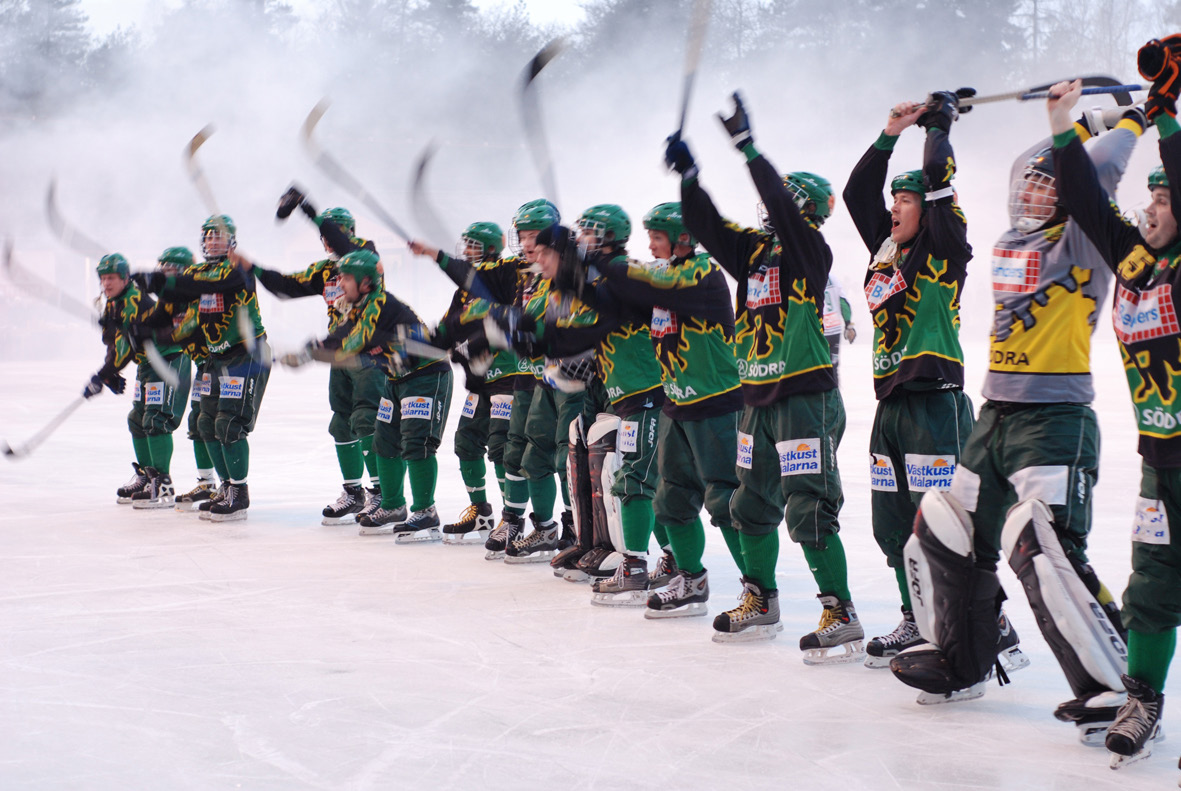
point(536, 215)
point(911, 181)
point(667, 217)
point(808, 188)
point(114, 264)
point(606, 219)
point(213, 246)
point(342, 217)
point(361, 264)
point(1158, 178)
point(487, 236)
point(179, 258)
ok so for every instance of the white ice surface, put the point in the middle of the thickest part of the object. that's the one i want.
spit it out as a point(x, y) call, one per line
point(143, 650)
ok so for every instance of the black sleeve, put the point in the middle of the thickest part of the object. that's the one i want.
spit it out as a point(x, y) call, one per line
point(729, 244)
point(804, 247)
point(308, 283)
point(184, 288)
point(946, 227)
point(863, 197)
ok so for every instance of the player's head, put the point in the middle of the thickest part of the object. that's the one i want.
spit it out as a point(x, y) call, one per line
point(481, 241)
point(113, 274)
point(667, 235)
point(605, 228)
point(360, 273)
point(176, 260)
point(343, 219)
point(218, 237)
point(530, 219)
point(1033, 195)
point(554, 244)
point(1160, 224)
point(812, 194)
point(906, 214)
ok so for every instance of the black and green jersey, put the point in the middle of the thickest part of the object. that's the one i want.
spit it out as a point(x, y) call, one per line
point(913, 290)
point(227, 303)
point(119, 313)
point(179, 329)
point(1148, 290)
point(779, 312)
point(373, 329)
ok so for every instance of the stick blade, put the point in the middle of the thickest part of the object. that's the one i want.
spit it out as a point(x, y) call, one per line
point(309, 123)
point(69, 235)
point(199, 140)
point(552, 49)
point(424, 213)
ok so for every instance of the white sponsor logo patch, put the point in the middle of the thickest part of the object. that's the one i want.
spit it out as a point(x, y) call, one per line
point(664, 322)
point(154, 393)
point(211, 303)
point(469, 406)
point(502, 407)
point(629, 436)
point(135, 393)
point(1149, 314)
point(385, 410)
point(746, 450)
point(799, 456)
point(762, 288)
point(880, 288)
point(417, 408)
point(231, 386)
point(1015, 271)
point(881, 473)
point(929, 472)
point(205, 385)
point(1151, 525)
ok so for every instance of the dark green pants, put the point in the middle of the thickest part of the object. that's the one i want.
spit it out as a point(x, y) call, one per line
point(412, 415)
point(1152, 602)
point(163, 404)
point(238, 384)
point(787, 468)
point(500, 412)
point(471, 435)
point(515, 442)
point(353, 396)
point(547, 432)
point(200, 389)
point(695, 462)
point(637, 441)
point(135, 418)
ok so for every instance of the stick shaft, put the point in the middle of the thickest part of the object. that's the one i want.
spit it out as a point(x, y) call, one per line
point(43, 434)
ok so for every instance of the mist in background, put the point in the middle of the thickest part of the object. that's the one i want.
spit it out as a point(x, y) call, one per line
point(108, 116)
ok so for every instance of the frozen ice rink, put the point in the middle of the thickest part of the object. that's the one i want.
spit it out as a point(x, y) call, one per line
point(147, 650)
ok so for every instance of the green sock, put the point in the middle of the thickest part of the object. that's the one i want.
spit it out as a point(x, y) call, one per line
point(391, 472)
point(143, 453)
point(516, 494)
point(499, 468)
point(473, 472)
point(637, 524)
point(352, 464)
point(1149, 656)
point(687, 543)
point(201, 454)
point(761, 554)
point(543, 493)
point(903, 588)
point(564, 488)
point(661, 533)
point(829, 568)
point(219, 459)
point(370, 457)
point(423, 474)
point(734, 544)
point(237, 460)
point(160, 446)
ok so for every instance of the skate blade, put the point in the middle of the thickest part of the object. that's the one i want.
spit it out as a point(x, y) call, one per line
point(751, 634)
point(1094, 734)
point(684, 611)
point(536, 557)
point(1120, 761)
point(1013, 659)
point(624, 599)
point(376, 530)
point(466, 539)
point(236, 516)
point(877, 662)
point(574, 575)
point(853, 651)
point(148, 505)
point(188, 506)
point(347, 519)
point(973, 692)
point(123, 500)
point(417, 536)
point(203, 515)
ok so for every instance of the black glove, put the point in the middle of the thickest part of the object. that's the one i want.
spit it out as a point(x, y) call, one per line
point(150, 282)
point(105, 376)
point(93, 387)
point(678, 157)
point(288, 201)
point(1157, 61)
point(738, 124)
point(942, 110)
point(964, 93)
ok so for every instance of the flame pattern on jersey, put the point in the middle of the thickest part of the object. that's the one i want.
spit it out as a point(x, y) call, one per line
point(118, 314)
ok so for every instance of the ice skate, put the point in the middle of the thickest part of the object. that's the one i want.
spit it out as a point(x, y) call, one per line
point(476, 521)
point(540, 545)
point(684, 596)
point(158, 493)
point(203, 508)
point(755, 618)
point(600, 563)
point(968, 693)
point(344, 510)
point(880, 650)
point(839, 629)
point(372, 502)
point(569, 534)
point(1092, 715)
point(382, 521)
point(565, 564)
point(421, 526)
point(664, 571)
point(1009, 653)
point(232, 507)
point(187, 503)
point(628, 587)
point(508, 531)
point(1137, 724)
point(137, 483)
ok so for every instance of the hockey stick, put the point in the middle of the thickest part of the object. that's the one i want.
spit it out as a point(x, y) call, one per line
point(43, 290)
point(531, 116)
point(196, 174)
point(698, 23)
point(335, 171)
point(1119, 90)
point(69, 235)
point(1097, 84)
point(424, 212)
point(42, 435)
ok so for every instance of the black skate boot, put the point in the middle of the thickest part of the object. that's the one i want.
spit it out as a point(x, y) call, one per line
point(217, 497)
point(382, 521)
point(1092, 714)
point(685, 595)
point(1008, 649)
point(839, 629)
point(137, 483)
point(569, 534)
point(598, 564)
point(421, 525)
point(188, 502)
point(666, 569)
point(476, 520)
point(372, 502)
point(565, 564)
point(508, 531)
point(628, 587)
point(880, 650)
point(158, 494)
point(343, 511)
point(1137, 725)
point(756, 618)
point(540, 545)
point(232, 507)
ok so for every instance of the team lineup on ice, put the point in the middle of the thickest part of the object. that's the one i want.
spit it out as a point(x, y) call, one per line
point(692, 399)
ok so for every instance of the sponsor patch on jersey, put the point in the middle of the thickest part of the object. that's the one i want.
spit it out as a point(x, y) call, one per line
point(928, 472)
point(880, 288)
point(211, 303)
point(1015, 271)
point(1151, 525)
point(746, 450)
point(332, 290)
point(203, 384)
point(385, 410)
point(664, 322)
point(136, 395)
point(881, 473)
point(470, 405)
point(1141, 317)
point(629, 436)
point(762, 288)
point(231, 386)
point(417, 408)
point(154, 393)
point(799, 456)
point(502, 407)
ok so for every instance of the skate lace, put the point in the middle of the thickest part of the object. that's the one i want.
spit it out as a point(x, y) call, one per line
point(664, 566)
point(536, 538)
point(137, 479)
point(345, 500)
point(752, 605)
point(905, 632)
point(469, 514)
point(829, 621)
point(501, 531)
point(675, 590)
point(198, 489)
point(1135, 719)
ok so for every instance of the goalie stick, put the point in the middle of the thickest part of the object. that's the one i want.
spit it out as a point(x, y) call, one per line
point(531, 116)
point(698, 24)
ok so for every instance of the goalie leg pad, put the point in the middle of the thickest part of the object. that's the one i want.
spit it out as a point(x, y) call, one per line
point(579, 477)
point(1086, 643)
point(605, 461)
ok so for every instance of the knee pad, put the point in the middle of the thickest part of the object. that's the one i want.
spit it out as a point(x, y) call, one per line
point(579, 478)
point(605, 461)
point(1085, 642)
